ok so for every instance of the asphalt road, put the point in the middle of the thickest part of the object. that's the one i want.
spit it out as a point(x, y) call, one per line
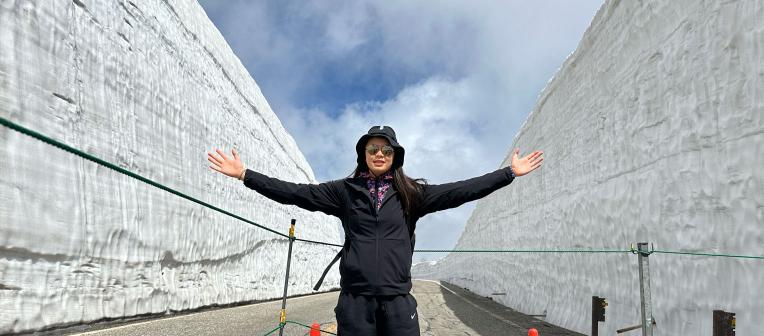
point(443, 309)
point(255, 319)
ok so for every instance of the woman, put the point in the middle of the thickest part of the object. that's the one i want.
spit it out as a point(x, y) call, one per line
point(379, 207)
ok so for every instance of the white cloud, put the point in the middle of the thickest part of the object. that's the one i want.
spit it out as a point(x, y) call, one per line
point(429, 119)
point(347, 28)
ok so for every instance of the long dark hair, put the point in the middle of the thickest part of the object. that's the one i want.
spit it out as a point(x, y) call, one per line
point(410, 189)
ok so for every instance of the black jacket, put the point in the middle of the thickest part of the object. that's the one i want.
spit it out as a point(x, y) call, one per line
point(376, 259)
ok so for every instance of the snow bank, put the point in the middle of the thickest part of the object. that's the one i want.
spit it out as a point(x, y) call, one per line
point(653, 130)
point(150, 86)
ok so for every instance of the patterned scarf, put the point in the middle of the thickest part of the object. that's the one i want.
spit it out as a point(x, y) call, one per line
point(378, 186)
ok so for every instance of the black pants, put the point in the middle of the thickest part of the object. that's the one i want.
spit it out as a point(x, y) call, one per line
point(360, 315)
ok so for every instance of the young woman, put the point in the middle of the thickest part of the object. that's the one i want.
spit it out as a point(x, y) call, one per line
point(379, 207)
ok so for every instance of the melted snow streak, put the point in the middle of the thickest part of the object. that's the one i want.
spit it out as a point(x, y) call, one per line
point(653, 130)
point(150, 86)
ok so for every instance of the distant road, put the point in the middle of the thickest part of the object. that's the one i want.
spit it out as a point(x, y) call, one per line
point(444, 309)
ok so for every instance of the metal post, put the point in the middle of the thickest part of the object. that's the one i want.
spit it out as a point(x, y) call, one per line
point(644, 289)
point(282, 316)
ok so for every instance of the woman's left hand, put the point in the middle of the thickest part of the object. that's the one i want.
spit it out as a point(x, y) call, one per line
point(525, 165)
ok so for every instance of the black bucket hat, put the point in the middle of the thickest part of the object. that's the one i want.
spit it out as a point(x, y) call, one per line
point(386, 132)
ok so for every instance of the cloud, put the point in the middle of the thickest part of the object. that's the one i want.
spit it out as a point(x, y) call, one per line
point(455, 79)
point(440, 139)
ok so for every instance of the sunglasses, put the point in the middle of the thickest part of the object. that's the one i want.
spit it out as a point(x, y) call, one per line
point(386, 150)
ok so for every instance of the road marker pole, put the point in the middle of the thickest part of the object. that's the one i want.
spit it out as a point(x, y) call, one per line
point(282, 315)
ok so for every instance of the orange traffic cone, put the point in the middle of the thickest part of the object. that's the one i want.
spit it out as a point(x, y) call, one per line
point(533, 332)
point(315, 329)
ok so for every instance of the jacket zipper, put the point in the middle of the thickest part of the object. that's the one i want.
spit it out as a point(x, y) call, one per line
point(375, 200)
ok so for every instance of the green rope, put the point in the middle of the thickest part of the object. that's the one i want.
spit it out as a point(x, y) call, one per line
point(309, 327)
point(742, 256)
point(710, 254)
point(282, 325)
point(522, 251)
point(594, 251)
point(114, 167)
point(317, 242)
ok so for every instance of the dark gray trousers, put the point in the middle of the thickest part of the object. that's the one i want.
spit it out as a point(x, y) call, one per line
point(361, 315)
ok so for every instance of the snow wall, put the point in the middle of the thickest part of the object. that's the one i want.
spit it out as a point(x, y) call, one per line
point(150, 86)
point(653, 130)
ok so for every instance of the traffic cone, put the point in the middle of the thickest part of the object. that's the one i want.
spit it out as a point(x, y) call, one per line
point(315, 329)
point(531, 332)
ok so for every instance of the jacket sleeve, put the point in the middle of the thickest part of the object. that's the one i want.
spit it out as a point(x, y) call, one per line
point(324, 197)
point(436, 197)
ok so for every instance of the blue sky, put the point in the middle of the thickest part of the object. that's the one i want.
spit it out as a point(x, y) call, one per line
point(455, 79)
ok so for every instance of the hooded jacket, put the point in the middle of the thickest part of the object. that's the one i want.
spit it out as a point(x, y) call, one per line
point(376, 257)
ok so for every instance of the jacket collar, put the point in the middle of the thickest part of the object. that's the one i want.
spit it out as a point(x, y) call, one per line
point(359, 185)
point(368, 175)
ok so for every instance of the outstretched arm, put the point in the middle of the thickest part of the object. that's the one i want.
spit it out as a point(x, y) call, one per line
point(322, 197)
point(451, 195)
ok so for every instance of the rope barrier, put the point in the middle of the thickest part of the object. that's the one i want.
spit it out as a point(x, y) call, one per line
point(523, 251)
point(317, 242)
point(7, 123)
point(307, 326)
point(121, 170)
point(706, 254)
point(282, 325)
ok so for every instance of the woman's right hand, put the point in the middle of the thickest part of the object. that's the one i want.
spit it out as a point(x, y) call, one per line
point(228, 166)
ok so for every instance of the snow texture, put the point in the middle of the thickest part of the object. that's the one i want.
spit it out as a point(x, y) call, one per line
point(150, 86)
point(653, 130)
